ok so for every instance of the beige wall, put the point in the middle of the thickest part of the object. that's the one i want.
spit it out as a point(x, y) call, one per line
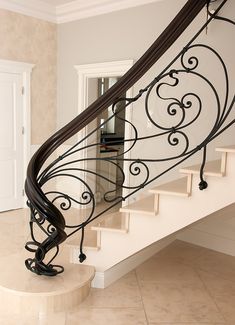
point(31, 40)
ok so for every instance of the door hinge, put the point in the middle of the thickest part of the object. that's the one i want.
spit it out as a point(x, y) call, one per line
point(23, 130)
point(23, 90)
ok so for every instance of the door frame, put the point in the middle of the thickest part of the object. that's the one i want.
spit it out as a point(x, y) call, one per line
point(24, 70)
point(105, 70)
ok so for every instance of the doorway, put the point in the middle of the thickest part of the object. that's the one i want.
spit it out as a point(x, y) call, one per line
point(111, 135)
point(14, 132)
point(89, 78)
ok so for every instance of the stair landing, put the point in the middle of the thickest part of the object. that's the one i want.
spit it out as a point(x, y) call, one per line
point(22, 291)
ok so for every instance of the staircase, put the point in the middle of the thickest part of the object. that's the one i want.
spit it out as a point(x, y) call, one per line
point(163, 210)
point(102, 236)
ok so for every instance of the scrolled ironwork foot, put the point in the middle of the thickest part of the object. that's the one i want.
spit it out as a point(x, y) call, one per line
point(43, 269)
point(82, 257)
point(203, 185)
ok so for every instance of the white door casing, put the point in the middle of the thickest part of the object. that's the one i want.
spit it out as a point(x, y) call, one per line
point(11, 142)
point(102, 70)
point(14, 132)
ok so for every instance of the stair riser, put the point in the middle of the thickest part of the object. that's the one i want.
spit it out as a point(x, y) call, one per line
point(41, 304)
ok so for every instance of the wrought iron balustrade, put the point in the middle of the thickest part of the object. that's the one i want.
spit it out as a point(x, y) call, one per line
point(171, 108)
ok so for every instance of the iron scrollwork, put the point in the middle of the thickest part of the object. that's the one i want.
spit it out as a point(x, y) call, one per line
point(181, 111)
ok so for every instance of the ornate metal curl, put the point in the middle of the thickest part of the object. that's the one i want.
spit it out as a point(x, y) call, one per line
point(175, 134)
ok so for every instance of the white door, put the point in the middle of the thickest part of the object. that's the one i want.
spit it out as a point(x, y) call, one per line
point(11, 141)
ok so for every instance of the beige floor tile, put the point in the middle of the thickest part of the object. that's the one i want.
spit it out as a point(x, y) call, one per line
point(16, 320)
point(103, 316)
point(219, 264)
point(187, 323)
point(164, 302)
point(182, 252)
point(165, 271)
point(123, 293)
point(57, 319)
point(226, 304)
point(14, 222)
point(216, 285)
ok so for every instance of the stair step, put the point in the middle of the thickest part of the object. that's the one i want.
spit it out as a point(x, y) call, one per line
point(145, 205)
point(115, 222)
point(178, 187)
point(23, 292)
point(91, 240)
point(212, 168)
point(229, 149)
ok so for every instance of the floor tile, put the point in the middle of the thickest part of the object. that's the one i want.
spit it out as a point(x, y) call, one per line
point(14, 222)
point(216, 285)
point(187, 323)
point(216, 263)
point(58, 319)
point(15, 320)
point(162, 270)
point(123, 293)
point(226, 304)
point(181, 252)
point(164, 302)
point(102, 316)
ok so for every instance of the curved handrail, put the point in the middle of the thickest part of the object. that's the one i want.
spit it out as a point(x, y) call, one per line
point(37, 199)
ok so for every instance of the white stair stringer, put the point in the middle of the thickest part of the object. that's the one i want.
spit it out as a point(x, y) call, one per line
point(175, 213)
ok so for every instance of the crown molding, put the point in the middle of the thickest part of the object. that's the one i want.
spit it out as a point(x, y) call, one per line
point(73, 10)
point(80, 9)
point(33, 8)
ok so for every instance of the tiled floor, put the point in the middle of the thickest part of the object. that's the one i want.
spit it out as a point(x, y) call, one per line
point(181, 285)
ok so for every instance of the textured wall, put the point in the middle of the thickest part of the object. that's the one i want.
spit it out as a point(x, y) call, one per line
point(31, 40)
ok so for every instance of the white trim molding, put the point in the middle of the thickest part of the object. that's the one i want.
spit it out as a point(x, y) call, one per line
point(80, 9)
point(103, 69)
point(71, 11)
point(24, 70)
point(16, 67)
point(33, 8)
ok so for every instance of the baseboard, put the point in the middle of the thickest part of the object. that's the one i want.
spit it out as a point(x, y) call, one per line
point(104, 279)
point(98, 281)
point(208, 240)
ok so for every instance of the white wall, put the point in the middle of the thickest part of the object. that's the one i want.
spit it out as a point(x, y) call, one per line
point(120, 35)
point(216, 231)
point(126, 35)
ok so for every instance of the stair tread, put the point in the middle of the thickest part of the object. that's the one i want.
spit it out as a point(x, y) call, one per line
point(90, 240)
point(113, 222)
point(144, 205)
point(230, 149)
point(212, 168)
point(76, 276)
point(177, 187)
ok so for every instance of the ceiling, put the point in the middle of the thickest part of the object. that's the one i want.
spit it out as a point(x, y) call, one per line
point(59, 2)
point(62, 11)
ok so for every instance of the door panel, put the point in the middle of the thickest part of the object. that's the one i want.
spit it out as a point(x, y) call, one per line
point(11, 142)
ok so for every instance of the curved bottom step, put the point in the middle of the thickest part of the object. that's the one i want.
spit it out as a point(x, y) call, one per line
point(24, 292)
